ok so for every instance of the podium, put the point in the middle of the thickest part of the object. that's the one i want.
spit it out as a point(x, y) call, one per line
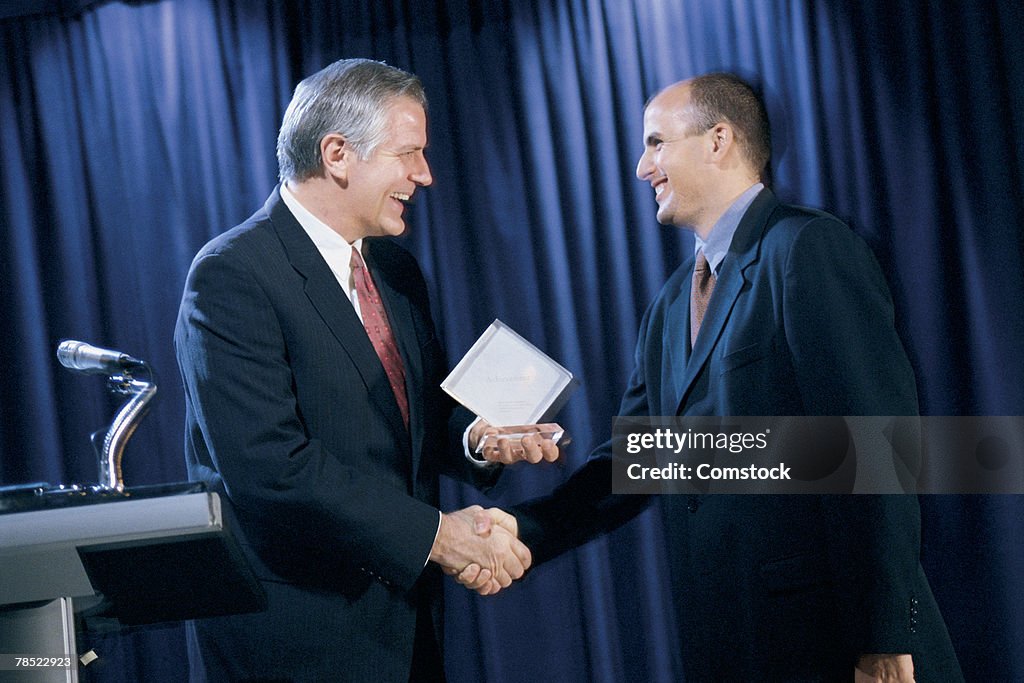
point(138, 556)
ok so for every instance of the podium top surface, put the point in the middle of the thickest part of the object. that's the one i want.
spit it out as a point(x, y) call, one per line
point(43, 496)
point(112, 521)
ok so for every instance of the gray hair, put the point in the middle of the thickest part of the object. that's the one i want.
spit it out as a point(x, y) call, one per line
point(349, 97)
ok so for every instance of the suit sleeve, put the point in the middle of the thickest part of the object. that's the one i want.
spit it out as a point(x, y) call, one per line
point(848, 360)
point(839, 325)
point(246, 417)
point(584, 506)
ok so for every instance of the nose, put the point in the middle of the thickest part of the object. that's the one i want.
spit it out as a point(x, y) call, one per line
point(421, 172)
point(644, 167)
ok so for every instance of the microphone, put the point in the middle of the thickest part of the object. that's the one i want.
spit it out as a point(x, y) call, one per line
point(82, 357)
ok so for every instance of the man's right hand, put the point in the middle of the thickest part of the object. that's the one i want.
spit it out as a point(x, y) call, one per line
point(473, 576)
point(480, 548)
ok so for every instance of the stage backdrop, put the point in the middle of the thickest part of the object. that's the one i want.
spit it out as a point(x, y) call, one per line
point(131, 133)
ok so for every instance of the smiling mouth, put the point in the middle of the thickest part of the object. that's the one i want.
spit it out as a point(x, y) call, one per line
point(401, 196)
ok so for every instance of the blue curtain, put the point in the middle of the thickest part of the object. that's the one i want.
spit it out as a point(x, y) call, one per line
point(132, 133)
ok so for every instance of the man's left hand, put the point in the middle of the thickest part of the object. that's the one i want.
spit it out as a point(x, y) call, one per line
point(507, 445)
point(884, 669)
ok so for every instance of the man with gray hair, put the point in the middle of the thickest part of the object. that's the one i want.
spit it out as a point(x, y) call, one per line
point(311, 371)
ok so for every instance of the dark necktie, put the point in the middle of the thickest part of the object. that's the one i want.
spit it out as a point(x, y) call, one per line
point(700, 294)
point(375, 320)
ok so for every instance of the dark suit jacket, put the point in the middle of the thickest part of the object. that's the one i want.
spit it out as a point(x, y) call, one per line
point(774, 588)
point(290, 416)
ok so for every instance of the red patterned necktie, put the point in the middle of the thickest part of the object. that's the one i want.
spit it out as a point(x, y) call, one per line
point(375, 320)
point(700, 294)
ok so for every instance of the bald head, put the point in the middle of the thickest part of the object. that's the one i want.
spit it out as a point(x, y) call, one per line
point(705, 143)
point(723, 97)
point(675, 99)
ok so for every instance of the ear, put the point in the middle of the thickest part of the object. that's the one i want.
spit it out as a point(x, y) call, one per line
point(336, 156)
point(722, 139)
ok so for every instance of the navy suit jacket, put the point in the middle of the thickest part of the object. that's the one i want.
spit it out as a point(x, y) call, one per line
point(770, 588)
point(290, 417)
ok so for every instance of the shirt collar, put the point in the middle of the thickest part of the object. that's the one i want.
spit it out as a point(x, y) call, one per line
point(720, 237)
point(332, 246)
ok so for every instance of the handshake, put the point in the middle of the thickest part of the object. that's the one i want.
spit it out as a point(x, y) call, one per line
point(479, 547)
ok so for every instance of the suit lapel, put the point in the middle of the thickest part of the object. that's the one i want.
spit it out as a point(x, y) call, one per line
point(676, 331)
point(742, 253)
point(328, 298)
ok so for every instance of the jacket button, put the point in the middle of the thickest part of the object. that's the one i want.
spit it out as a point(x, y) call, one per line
point(693, 505)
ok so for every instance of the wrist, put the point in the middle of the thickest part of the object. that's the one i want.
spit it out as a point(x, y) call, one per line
point(475, 434)
point(439, 549)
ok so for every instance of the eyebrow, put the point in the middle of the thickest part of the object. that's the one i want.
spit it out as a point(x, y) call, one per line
point(404, 149)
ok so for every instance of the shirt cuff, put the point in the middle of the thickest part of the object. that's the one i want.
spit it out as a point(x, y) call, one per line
point(439, 516)
point(474, 458)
